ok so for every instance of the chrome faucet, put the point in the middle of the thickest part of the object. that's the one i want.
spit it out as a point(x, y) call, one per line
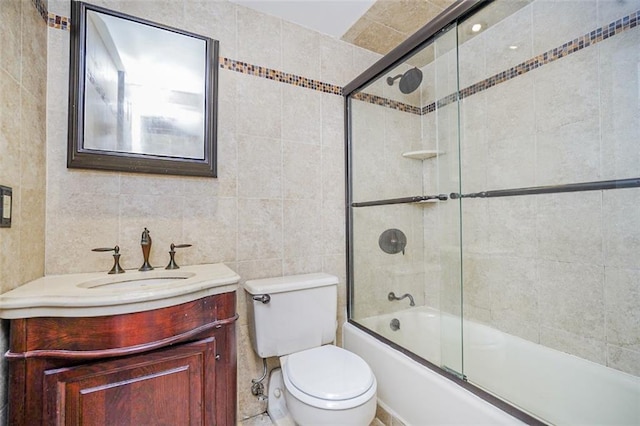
point(392, 296)
point(145, 242)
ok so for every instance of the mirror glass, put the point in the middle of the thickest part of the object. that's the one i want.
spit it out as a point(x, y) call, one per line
point(142, 95)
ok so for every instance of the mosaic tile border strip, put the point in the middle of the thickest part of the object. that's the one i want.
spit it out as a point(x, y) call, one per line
point(41, 7)
point(616, 27)
point(279, 76)
point(575, 45)
point(59, 22)
point(51, 19)
point(379, 100)
point(64, 23)
point(428, 108)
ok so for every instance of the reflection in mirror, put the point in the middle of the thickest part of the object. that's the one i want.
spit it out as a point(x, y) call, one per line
point(142, 95)
point(135, 107)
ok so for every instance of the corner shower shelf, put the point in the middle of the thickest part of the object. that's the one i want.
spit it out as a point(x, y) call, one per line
point(422, 154)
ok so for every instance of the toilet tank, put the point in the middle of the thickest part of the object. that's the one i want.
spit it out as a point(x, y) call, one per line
point(300, 314)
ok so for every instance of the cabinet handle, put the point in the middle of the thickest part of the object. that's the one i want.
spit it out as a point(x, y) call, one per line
point(217, 357)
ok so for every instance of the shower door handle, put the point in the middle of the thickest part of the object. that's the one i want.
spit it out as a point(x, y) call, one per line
point(404, 200)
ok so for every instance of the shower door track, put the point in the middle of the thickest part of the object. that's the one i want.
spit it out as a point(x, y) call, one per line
point(554, 189)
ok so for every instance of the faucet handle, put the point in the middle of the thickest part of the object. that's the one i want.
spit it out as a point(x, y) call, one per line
point(172, 262)
point(175, 246)
point(115, 249)
point(116, 269)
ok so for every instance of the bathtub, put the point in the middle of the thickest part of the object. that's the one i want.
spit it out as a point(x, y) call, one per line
point(557, 387)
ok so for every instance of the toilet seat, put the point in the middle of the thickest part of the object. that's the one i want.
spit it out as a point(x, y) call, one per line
point(328, 377)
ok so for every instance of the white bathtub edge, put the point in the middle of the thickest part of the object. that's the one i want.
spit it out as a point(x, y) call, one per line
point(415, 394)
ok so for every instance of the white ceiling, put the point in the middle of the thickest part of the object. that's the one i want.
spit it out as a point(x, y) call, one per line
point(332, 17)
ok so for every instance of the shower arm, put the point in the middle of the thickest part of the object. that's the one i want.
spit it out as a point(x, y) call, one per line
point(391, 80)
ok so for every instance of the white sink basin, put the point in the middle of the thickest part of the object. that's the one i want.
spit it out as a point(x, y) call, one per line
point(137, 282)
point(98, 294)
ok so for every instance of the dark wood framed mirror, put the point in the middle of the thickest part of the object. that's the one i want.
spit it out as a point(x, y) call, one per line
point(142, 96)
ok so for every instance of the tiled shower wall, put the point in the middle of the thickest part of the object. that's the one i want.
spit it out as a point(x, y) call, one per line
point(380, 172)
point(559, 270)
point(385, 125)
point(23, 68)
point(277, 206)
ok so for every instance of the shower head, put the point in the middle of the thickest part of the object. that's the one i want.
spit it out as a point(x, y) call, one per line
point(409, 81)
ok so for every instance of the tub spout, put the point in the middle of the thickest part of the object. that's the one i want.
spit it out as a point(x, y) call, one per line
point(392, 296)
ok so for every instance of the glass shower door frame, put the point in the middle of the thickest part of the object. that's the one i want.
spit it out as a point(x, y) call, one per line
point(424, 36)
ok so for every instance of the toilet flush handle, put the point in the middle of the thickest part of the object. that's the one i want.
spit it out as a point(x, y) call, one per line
point(264, 298)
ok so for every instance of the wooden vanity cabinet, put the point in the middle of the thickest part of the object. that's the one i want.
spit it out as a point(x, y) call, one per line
point(170, 366)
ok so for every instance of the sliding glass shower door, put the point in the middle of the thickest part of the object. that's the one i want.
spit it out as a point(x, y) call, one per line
point(550, 162)
point(404, 228)
point(494, 206)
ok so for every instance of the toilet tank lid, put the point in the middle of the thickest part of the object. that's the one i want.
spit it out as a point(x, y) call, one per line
point(289, 283)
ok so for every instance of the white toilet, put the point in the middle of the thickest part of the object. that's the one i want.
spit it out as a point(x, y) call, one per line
point(294, 318)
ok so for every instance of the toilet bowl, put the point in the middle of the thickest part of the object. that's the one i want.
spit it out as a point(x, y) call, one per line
point(329, 386)
point(294, 318)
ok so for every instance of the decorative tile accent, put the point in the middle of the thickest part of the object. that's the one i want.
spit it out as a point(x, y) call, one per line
point(64, 23)
point(51, 19)
point(552, 55)
point(429, 108)
point(59, 22)
point(545, 58)
point(449, 99)
point(41, 7)
point(388, 103)
point(279, 76)
point(589, 39)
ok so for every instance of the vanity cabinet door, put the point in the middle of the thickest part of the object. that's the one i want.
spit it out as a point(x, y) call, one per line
point(165, 387)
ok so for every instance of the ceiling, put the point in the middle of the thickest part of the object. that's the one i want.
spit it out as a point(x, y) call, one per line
point(332, 17)
point(388, 23)
point(378, 26)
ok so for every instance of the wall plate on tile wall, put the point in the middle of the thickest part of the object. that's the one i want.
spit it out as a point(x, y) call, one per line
point(6, 199)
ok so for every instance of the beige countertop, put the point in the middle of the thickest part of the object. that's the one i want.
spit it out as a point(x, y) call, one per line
point(98, 293)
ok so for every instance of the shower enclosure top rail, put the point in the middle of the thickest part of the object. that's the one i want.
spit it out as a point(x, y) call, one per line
point(554, 189)
point(436, 25)
point(404, 200)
